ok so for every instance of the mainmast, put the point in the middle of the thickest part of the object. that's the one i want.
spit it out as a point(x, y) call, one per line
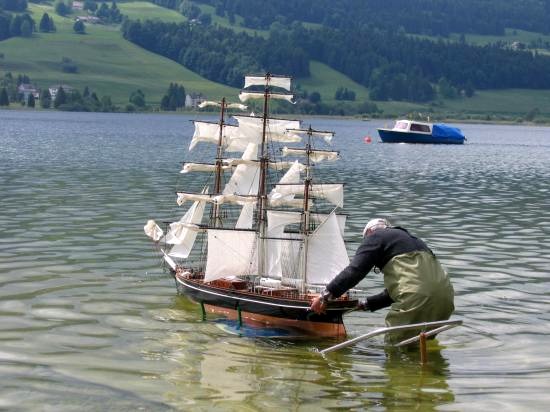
point(262, 189)
point(216, 218)
point(267, 82)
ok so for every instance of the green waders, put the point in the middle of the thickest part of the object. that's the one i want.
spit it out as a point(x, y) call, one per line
point(421, 291)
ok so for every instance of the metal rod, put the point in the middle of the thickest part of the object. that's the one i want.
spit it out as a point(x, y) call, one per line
point(382, 331)
point(428, 334)
point(239, 315)
point(423, 351)
point(203, 310)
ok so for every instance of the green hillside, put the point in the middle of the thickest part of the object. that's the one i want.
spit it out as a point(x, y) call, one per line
point(110, 65)
point(107, 63)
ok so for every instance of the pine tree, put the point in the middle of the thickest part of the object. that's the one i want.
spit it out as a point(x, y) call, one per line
point(44, 25)
point(30, 101)
point(46, 99)
point(60, 97)
point(79, 27)
point(4, 100)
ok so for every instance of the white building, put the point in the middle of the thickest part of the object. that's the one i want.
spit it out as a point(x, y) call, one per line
point(53, 89)
point(25, 90)
point(194, 99)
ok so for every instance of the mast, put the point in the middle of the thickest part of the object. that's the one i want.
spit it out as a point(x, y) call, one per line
point(306, 220)
point(262, 189)
point(216, 218)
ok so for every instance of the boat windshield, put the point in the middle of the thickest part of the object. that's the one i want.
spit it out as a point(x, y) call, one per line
point(416, 127)
point(401, 125)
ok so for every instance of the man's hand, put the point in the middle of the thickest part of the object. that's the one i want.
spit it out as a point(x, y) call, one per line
point(318, 305)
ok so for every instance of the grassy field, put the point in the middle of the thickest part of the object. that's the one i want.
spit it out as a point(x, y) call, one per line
point(143, 10)
point(106, 62)
point(111, 66)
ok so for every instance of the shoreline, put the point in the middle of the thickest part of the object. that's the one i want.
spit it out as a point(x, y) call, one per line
point(449, 120)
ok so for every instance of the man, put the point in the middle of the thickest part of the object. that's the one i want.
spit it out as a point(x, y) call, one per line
point(416, 286)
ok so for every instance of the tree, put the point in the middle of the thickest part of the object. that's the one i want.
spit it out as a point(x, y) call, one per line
point(61, 8)
point(60, 98)
point(314, 97)
point(90, 5)
point(137, 98)
point(26, 28)
point(44, 25)
point(30, 100)
point(79, 27)
point(46, 99)
point(4, 100)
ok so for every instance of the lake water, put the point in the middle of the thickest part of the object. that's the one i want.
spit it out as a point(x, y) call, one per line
point(88, 320)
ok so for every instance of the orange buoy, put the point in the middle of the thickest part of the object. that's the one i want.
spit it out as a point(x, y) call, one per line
point(367, 139)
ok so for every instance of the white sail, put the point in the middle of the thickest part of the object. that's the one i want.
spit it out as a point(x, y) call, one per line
point(283, 82)
point(327, 136)
point(182, 234)
point(231, 253)
point(152, 230)
point(207, 103)
point(334, 192)
point(210, 133)
point(283, 218)
point(315, 155)
point(244, 180)
point(251, 128)
point(202, 167)
point(194, 197)
point(245, 96)
point(327, 254)
point(246, 217)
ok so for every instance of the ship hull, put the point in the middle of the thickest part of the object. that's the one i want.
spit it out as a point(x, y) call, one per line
point(268, 311)
point(390, 136)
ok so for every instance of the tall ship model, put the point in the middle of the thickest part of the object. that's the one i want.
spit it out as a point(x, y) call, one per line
point(262, 236)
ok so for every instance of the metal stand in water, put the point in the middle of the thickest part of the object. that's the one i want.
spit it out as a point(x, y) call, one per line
point(427, 329)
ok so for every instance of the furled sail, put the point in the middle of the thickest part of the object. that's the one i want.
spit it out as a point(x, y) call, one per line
point(216, 199)
point(327, 136)
point(207, 103)
point(231, 253)
point(326, 254)
point(202, 167)
point(245, 96)
point(334, 192)
point(315, 155)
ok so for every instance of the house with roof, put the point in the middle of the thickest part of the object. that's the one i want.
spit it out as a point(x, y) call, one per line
point(193, 100)
point(26, 89)
point(54, 89)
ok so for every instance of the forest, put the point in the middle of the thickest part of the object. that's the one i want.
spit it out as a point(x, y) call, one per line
point(390, 63)
point(433, 17)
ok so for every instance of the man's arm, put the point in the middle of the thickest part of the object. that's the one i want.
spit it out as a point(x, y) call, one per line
point(361, 264)
point(375, 302)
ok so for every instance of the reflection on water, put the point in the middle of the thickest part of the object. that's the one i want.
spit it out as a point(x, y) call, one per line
point(88, 318)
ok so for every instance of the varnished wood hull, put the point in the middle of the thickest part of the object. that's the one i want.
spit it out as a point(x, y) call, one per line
point(270, 311)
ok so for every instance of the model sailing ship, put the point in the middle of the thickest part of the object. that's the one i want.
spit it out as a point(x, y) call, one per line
point(260, 244)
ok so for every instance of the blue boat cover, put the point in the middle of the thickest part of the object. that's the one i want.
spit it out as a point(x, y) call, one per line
point(442, 130)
